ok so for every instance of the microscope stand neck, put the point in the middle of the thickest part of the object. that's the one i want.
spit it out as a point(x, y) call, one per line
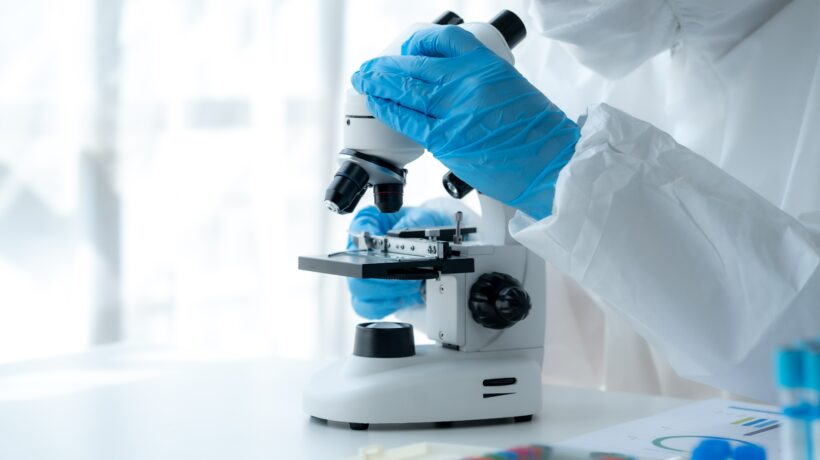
point(495, 218)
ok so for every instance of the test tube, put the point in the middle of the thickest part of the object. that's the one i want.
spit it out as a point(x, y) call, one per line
point(794, 436)
point(811, 366)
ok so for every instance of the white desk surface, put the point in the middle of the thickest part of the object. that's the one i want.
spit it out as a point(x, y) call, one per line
point(127, 403)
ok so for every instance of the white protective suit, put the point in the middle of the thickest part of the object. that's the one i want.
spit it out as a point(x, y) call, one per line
point(690, 211)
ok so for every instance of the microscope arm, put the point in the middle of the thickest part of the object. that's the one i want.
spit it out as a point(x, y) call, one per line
point(494, 224)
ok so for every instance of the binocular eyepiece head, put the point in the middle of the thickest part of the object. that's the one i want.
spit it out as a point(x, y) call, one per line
point(359, 172)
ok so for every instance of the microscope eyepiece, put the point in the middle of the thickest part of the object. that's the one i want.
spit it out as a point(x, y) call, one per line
point(510, 26)
point(448, 17)
point(346, 188)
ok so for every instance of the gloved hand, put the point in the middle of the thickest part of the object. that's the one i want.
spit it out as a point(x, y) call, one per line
point(475, 113)
point(377, 298)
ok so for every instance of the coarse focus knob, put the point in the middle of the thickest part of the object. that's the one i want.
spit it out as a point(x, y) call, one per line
point(498, 301)
point(384, 339)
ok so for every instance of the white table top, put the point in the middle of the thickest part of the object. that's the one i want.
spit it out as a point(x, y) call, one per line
point(123, 403)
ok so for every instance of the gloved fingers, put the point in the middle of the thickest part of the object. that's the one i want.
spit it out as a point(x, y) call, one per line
point(422, 217)
point(440, 41)
point(377, 298)
point(370, 219)
point(413, 124)
point(428, 69)
point(374, 288)
point(402, 89)
point(378, 309)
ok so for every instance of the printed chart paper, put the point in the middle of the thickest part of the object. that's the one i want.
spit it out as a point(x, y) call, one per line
point(675, 433)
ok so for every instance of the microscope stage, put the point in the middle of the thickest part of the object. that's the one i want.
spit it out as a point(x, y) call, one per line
point(374, 264)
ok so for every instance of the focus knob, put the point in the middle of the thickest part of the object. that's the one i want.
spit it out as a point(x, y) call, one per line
point(498, 301)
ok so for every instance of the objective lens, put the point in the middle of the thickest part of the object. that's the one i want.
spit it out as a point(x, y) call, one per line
point(346, 188)
point(388, 197)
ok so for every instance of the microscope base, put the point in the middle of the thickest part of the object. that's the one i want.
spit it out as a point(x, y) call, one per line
point(435, 385)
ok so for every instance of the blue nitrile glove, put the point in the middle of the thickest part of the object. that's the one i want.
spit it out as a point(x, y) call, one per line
point(475, 113)
point(377, 298)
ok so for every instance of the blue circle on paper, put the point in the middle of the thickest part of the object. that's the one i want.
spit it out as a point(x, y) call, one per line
point(659, 442)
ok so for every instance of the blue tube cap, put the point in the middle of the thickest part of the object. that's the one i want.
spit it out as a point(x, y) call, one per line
point(790, 368)
point(712, 449)
point(749, 452)
point(811, 365)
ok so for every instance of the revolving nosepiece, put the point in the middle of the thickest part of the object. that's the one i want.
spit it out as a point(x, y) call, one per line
point(360, 171)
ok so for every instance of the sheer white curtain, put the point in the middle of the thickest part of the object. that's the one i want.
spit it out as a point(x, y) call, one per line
point(58, 271)
point(226, 121)
point(162, 166)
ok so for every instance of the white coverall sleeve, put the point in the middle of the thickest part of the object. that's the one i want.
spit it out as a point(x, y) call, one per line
point(610, 37)
point(614, 37)
point(710, 273)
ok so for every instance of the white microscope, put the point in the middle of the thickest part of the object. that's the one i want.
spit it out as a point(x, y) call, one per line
point(485, 295)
